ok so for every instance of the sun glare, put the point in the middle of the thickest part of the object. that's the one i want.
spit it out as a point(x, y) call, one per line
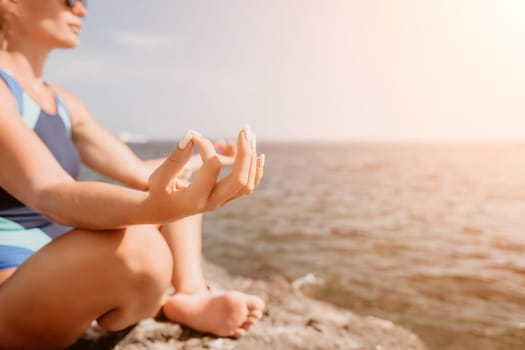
point(514, 13)
point(506, 17)
point(500, 27)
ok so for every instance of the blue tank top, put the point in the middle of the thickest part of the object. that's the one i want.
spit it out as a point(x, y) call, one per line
point(55, 132)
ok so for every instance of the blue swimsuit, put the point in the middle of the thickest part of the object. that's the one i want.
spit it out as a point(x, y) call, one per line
point(22, 230)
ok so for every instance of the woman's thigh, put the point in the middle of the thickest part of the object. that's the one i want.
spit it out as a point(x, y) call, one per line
point(80, 276)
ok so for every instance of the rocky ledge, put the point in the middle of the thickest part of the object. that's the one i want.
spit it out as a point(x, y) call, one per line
point(291, 321)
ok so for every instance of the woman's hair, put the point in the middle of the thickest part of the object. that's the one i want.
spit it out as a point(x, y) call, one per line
point(3, 25)
point(4, 13)
point(2, 34)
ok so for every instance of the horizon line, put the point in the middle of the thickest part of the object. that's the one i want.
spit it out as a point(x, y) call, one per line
point(352, 141)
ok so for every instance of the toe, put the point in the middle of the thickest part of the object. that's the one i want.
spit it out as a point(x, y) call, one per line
point(250, 321)
point(239, 332)
point(254, 303)
point(257, 314)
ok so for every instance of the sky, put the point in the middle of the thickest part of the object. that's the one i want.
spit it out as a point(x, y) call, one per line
point(303, 70)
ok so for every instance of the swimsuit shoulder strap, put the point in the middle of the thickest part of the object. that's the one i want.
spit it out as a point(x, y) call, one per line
point(28, 109)
point(15, 88)
point(63, 113)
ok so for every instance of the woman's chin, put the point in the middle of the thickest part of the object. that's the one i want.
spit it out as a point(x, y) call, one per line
point(67, 43)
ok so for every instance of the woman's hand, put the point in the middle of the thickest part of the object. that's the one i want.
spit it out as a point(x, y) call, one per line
point(226, 153)
point(170, 201)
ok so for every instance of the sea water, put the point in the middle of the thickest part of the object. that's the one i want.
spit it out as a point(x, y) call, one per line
point(430, 236)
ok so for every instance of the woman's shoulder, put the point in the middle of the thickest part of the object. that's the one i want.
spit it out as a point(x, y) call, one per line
point(7, 97)
point(78, 112)
point(69, 98)
point(72, 102)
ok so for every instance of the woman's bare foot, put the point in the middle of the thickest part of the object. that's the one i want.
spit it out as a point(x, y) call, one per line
point(229, 314)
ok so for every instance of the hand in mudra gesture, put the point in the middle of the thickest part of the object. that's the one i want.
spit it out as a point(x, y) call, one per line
point(170, 201)
point(226, 151)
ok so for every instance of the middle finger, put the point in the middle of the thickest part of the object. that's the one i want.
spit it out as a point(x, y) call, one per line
point(230, 185)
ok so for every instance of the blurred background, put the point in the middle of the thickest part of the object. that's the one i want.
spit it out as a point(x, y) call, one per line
point(394, 135)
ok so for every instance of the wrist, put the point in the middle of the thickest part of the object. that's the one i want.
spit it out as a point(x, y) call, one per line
point(162, 208)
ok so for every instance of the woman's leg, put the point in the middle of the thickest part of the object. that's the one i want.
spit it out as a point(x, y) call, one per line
point(184, 237)
point(117, 277)
point(226, 314)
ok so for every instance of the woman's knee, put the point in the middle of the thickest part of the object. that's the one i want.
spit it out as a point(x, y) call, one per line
point(128, 269)
point(144, 257)
point(145, 268)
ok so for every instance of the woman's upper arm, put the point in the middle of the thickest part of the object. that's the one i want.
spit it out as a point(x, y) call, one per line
point(100, 150)
point(26, 164)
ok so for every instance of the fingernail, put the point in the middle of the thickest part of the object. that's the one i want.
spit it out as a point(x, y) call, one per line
point(195, 132)
point(248, 132)
point(262, 159)
point(183, 143)
point(254, 141)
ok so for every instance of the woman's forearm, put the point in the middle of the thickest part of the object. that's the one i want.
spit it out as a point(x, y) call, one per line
point(96, 205)
point(103, 206)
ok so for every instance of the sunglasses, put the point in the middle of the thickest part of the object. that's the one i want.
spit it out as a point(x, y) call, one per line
point(72, 3)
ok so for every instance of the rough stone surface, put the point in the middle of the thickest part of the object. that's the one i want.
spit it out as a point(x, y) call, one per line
point(291, 321)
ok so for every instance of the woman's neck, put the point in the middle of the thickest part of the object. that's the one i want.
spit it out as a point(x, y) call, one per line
point(25, 60)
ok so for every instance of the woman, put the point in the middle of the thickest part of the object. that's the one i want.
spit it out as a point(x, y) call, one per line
point(72, 252)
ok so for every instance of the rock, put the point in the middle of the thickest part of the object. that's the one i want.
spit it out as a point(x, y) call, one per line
point(291, 321)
